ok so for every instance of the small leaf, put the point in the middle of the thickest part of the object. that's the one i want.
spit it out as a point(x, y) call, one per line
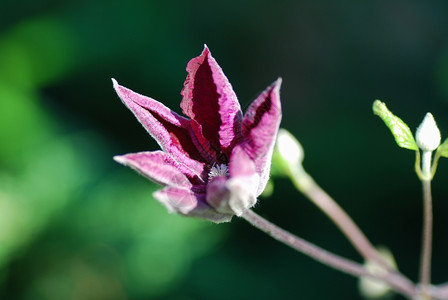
point(401, 132)
point(443, 148)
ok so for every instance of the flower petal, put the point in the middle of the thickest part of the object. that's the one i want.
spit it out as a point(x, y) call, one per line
point(232, 196)
point(242, 197)
point(237, 193)
point(241, 164)
point(161, 168)
point(218, 194)
point(177, 199)
point(209, 100)
point(260, 126)
point(170, 130)
point(191, 204)
point(244, 181)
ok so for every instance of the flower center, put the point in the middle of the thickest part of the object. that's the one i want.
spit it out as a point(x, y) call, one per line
point(218, 170)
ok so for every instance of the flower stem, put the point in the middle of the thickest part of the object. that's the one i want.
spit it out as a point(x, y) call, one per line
point(329, 206)
point(425, 262)
point(395, 280)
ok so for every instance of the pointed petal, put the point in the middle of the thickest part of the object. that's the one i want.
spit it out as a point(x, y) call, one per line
point(191, 204)
point(209, 100)
point(161, 168)
point(241, 164)
point(171, 131)
point(260, 126)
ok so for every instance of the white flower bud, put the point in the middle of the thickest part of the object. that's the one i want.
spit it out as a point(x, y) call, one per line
point(428, 135)
point(289, 148)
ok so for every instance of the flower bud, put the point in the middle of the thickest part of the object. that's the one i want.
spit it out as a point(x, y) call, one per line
point(428, 135)
point(373, 288)
point(289, 148)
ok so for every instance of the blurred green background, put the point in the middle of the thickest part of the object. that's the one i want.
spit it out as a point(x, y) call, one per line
point(76, 225)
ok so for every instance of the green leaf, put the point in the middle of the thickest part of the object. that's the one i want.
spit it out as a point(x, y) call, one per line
point(443, 148)
point(401, 132)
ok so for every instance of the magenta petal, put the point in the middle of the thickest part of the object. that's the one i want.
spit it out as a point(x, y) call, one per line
point(237, 193)
point(244, 183)
point(242, 193)
point(184, 201)
point(209, 100)
point(241, 164)
point(260, 126)
point(160, 168)
point(218, 194)
point(215, 164)
point(177, 199)
point(171, 131)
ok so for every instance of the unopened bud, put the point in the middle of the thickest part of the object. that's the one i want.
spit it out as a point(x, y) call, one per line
point(373, 288)
point(428, 134)
point(289, 148)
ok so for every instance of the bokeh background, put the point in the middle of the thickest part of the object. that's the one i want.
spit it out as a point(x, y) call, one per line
point(76, 225)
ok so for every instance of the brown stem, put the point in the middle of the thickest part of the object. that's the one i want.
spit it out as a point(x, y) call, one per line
point(425, 262)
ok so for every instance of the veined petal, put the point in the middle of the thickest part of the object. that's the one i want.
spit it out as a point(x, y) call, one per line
point(188, 203)
point(209, 100)
point(170, 130)
point(241, 164)
point(161, 168)
point(260, 126)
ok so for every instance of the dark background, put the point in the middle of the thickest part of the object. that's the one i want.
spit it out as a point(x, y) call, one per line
point(76, 225)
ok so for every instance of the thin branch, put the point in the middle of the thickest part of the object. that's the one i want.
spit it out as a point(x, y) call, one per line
point(331, 208)
point(425, 262)
point(425, 259)
point(398, 282)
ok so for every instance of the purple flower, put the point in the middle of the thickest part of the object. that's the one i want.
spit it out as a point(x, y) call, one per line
point(216, 163)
